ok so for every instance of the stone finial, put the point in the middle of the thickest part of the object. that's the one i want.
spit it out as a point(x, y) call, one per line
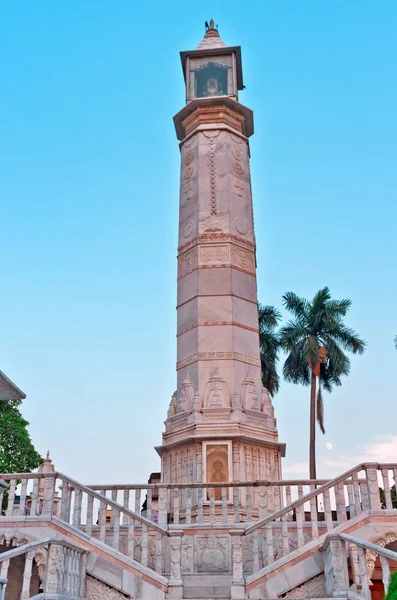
point(184, 399)
point(211, 30)
point(248, 393)
point(216, 393)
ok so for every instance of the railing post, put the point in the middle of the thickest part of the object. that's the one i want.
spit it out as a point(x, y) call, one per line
point(52, 583)
point(48, 496)
point(238, 582)
point(175, 587)
point(335, 568)
point(373, 486)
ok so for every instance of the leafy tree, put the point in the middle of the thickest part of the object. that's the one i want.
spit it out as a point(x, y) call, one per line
point(393, 495)
point(392, 589)
point(269, 318)
point(17, 453)
point(315, 341)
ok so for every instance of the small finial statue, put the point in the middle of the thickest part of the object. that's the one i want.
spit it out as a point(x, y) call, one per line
point(211, 23)
point(206, 26)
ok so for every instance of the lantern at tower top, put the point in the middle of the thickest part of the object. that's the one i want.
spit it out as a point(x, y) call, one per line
point(213, 69)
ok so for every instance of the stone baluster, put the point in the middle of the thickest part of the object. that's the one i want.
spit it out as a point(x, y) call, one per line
point(175, 589)
point(355, 567)
point(90, 514)
point(340, 502)
point(248, 501)
point(238, 583)
point(48, 496)
point(385, 572)
point(137, 508)
point(116, 528)
point(144, 545)
point(77, 507)
point(299, 525)
point(22, 497)
point(284, 531)
point(288, 500)
point(313, 513)
point(188, 504)
point(269, 543)
point(224, 505)
point(131, 537)
point(236, 504)
point(386, 487)
point(126, 504)
point(83, 572)
point(35, 496)
point(373, 486)
point(11, 498)
point(350, 495)
point(335, 568)
point(4, 573)
point(102, 518)
point(27, 575)
point(362, 563)
point(277, 497)
point(300, 491)
point(200, 517)
point(163, 497)
point(327, 510)
point(159, 553)
point(212, 504)
point(255, 551)
point(176, 497)
point(149, 504)
point(262, 501)
point(112, 515)
point(356, 493)
point(65, 502)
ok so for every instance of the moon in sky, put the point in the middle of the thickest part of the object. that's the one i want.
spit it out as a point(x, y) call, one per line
point(329, 446)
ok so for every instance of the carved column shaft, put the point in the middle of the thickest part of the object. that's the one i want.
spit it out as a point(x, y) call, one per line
point(373, 486)
point(238, 582)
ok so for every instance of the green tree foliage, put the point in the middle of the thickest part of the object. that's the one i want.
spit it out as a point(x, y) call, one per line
point(392, 589)
point(393, 495)
point(269, 318)
point(17, 453)
point(316, 340)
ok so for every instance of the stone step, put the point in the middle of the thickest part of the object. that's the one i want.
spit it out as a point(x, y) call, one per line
point(207, 593)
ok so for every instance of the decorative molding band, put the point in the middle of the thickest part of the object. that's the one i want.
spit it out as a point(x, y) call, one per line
point(208, 127)
point(217, 324)
point(216, 296)
point(218, 267)
point(208, 238)
point(250, 360)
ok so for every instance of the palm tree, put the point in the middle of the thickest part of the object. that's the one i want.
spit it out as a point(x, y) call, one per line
point(269, 318)
point(315, 341)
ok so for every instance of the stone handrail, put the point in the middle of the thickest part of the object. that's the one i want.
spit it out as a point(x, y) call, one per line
point(341, 545)
point(315, 493)
point(66, 568)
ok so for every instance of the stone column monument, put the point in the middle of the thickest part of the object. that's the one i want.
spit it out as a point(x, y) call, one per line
point(220, 424)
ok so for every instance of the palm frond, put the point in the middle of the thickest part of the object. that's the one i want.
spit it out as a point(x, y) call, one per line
point(296, 305)
point(320, 410)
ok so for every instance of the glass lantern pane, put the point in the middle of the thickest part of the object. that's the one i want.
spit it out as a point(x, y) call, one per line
point(211, 76)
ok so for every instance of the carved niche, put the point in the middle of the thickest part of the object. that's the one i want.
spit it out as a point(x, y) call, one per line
point(213, 554)
point(216, 392)
point(381, 541)
point(184, 400)
point(14, 538)
point(248, 394)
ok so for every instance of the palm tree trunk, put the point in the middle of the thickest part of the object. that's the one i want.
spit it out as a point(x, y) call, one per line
point(312, 444)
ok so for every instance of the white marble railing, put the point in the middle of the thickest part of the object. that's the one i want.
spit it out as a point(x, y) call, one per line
point(338, 548)
point(65, 569)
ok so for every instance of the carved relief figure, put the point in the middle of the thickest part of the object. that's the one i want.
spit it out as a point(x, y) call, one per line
point(217, 466)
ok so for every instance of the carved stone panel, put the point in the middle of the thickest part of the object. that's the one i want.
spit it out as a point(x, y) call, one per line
point(96, 590)
point(314, 588)
point(213, 554)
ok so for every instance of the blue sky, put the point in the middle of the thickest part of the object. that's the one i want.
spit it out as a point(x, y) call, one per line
point(89, 175)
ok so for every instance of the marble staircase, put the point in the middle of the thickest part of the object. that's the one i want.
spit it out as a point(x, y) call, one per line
point(190, 541)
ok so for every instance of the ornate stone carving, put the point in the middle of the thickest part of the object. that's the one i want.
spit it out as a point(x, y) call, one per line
point(238, 184)
point(214, 254)
point(187, 555)
point(187, 262)
point(54, 569)
point(238, 169)
point(184, 399)
point(176, 558)
point(14, 538)
point(237, 154)
point(248, 394)
point(251, 360)
point(237, 558)
point(188, 229)
point(172, 406)
point(216, 392)
point(188, 157)
point(236, 139)
point(243, 258)
point(97, 590)
point(382, 542)
point(212, 134)
point(213, 554)
point(313, 588)
point(241, 225)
